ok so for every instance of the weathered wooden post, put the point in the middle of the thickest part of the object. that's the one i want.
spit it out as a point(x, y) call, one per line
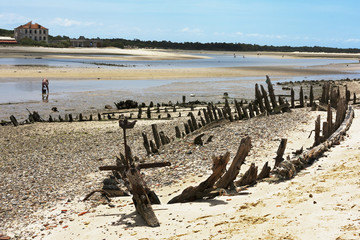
point(280, 152)
point(340, 112)
point(271, 92)
point(191, 126)
point(221, 116)
point(301, 97)
point(258, 97)
point(193, 121)
point(249, 176)
point(325, 131)
point(238, 109)
point(156, 135)
point(317, 131)
point(330, 126)
point(70, 117)
point(354, 99)
point(14, 121)
point(210, 113)
point(311, 96)
point(266, 100)
point(255, 107)
point(148, 112)
point(183, 99)
point(228, 178)
point(292, 98)
point(146, 143)
point(187, 128)
point(214, 112)
point(246, 114)
point(140, 112)
point(265, 172)
point(203, 123)
point(251, 111)
point(153, 147)
point(206, 115)
point(177, 132)
point(163, 138)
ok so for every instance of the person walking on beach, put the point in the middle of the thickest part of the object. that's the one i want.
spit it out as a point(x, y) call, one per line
point(45, 86)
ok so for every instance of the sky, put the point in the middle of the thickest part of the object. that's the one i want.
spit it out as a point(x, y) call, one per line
point(328, 23)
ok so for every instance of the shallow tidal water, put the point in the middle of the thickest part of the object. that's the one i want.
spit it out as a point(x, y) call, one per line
point(79, 96)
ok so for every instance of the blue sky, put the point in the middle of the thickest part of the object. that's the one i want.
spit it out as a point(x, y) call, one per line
point(265, 22)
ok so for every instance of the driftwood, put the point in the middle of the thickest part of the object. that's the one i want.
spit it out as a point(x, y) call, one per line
point(265, 172)
point(228, 178)
point(125, 169)
point(311, 96)
point(249, 177)
point(140, 198)
point(177, 132)
point(301, 94)
point(146, 143)
point(317, 131)
point(14, 121)
point(198, 140)
point(259, 98)
point(292, 98)
point(288, 168)
point(204, 189)
point(280, 152)
point(156, 135)
point(266, 100)
point(271, 92)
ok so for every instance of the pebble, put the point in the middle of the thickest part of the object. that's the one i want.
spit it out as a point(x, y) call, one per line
point(45, 163)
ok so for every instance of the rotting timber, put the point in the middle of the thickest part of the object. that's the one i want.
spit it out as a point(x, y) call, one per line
point(223, 180)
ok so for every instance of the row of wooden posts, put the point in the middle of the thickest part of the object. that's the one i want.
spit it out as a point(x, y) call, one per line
point(222, 180)
point(264, 103)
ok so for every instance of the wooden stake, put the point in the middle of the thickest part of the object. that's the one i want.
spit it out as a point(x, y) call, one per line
point(228, 178)
point(156, 135)
point(280, 152)
point(146, 143)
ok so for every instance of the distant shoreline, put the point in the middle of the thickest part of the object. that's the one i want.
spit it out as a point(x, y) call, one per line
point(16, 73)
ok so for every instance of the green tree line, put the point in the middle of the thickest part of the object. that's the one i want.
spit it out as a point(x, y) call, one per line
point(64, 41)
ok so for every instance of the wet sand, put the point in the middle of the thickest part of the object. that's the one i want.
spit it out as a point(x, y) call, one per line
point(22, 73)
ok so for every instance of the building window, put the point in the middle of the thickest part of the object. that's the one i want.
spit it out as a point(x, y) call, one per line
point(35, 38)
point(30, 31)
point(35, 31)
point(44, 38)
point(25, 30)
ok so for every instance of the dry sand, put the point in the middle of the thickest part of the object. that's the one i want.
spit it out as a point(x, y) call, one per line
point(321, 202)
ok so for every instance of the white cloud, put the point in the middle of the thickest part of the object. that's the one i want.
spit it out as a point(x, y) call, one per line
point(267, 36)
point(353, 40)
point(12, 18)
point(191, 30)
point(64, 22)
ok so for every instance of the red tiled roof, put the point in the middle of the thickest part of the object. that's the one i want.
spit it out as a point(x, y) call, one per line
point(8, 41)
point(30, 25)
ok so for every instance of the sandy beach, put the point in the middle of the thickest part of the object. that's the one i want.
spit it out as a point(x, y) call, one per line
point(48, 168)
point(20, 73)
